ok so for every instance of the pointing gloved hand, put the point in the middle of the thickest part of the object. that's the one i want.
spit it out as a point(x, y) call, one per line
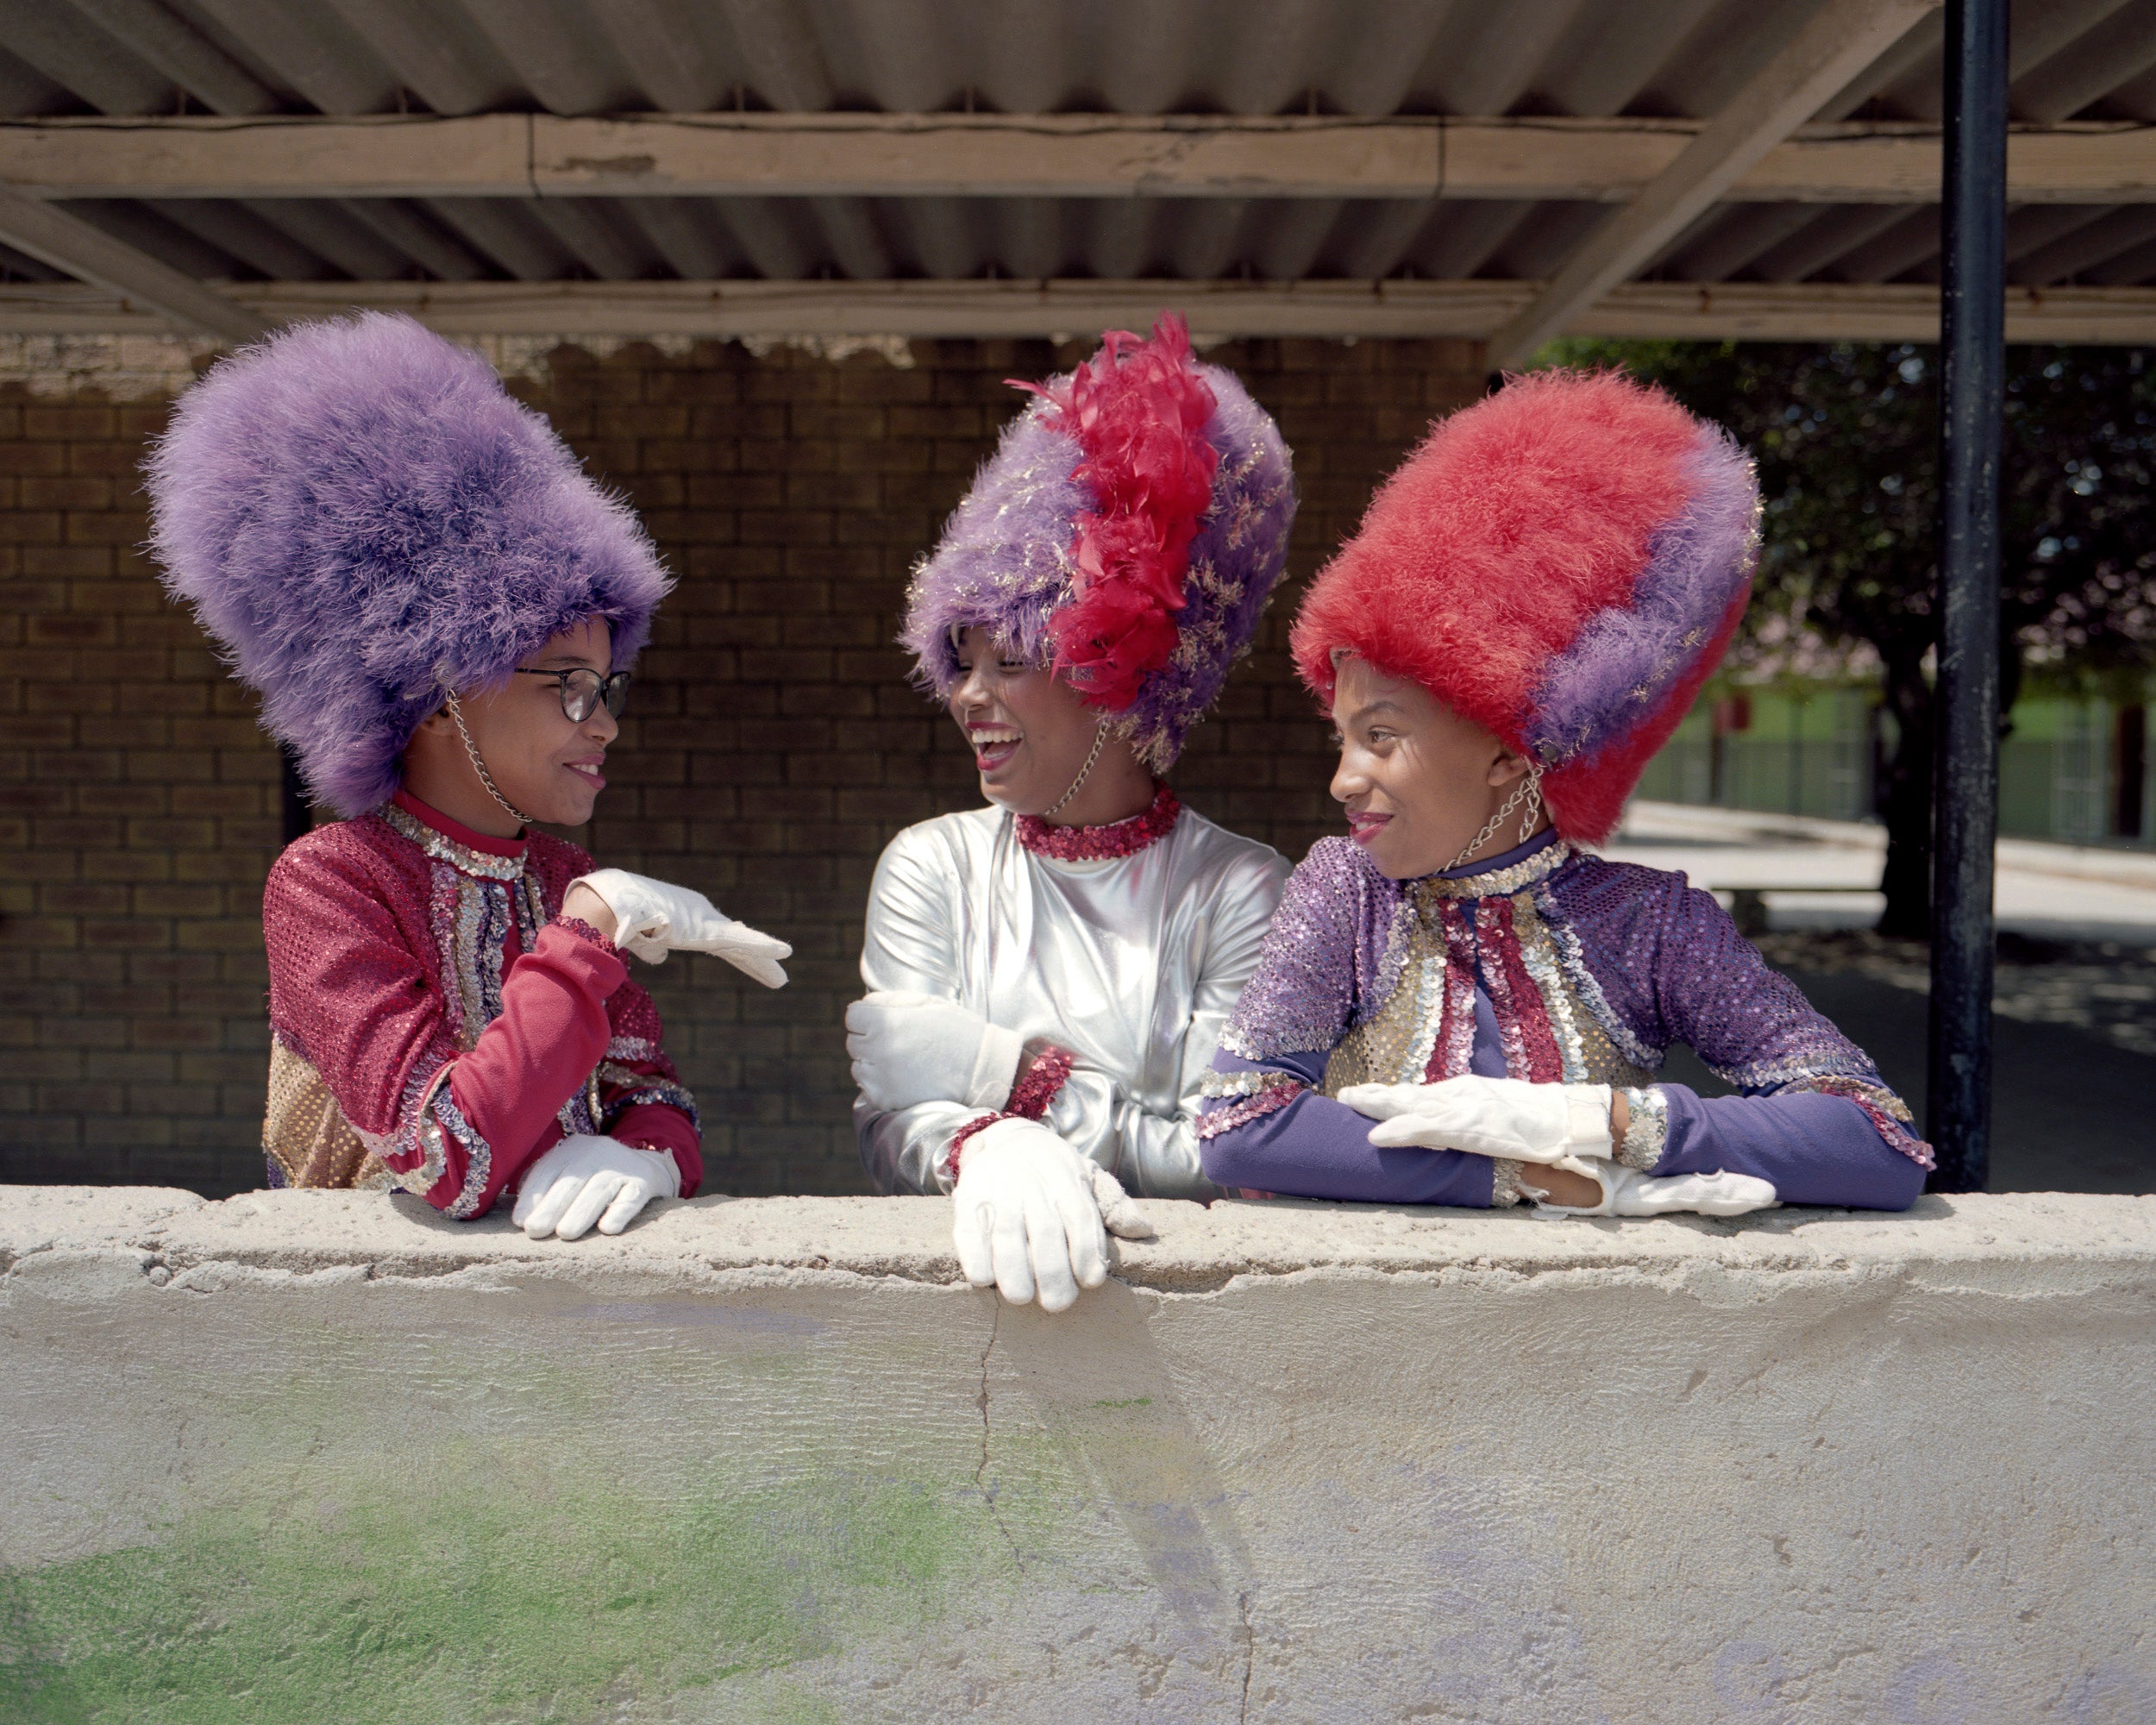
point(910, 1048)
point(654, 918)
point(1563, 1124)
point(1627, 1192)
point(1031, 1216)
point(584, 1179)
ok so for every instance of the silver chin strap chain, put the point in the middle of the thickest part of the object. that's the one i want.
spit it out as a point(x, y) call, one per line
point(1530, 791)
point(456, 713)
point(1100, 742)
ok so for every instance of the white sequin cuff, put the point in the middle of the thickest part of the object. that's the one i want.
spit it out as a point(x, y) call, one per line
point(1648, 1129)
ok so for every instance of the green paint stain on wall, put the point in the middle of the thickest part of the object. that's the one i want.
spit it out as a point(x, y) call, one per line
point(448, 1595)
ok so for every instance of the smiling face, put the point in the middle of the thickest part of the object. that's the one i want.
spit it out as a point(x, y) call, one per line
point(548, 766)
point(1030, 734)
point(1417, 780)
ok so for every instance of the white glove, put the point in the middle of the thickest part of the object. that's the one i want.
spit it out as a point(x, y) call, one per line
point(1119, 1215)
point(909, 1048)
point(654, 918)
point(1557, 1124)
point(1627, 1192)
point(584, 1180)
point(1025, 1218)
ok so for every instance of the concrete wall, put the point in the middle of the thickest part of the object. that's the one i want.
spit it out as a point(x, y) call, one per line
point(772, 748)
point(303, 1457)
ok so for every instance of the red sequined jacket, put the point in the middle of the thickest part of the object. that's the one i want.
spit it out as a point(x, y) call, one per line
point(435, 1028)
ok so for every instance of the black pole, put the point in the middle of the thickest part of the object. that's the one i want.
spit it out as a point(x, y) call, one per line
point(1966, 784)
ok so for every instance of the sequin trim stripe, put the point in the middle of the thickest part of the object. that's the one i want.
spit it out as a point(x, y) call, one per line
point(1499, 883)
point(1773, 1074)
point(656, 1091)
point(1452, 1039)
point(479, 1155)
point(1889, 1114)
point(1523, 1017)
point(1542, 969)
point(1267, 1101)
point(442, 911)
point(1504, 1184)
point(959, 1140)
point(1030, 1097)
point(1647, 1128)
point(632, 1048)
point(410, 1139)
point(531, 915)
point(444, 849)
point(1216, 1085)
point(1101, 844)
point(1565, 940)
point(579, 1115)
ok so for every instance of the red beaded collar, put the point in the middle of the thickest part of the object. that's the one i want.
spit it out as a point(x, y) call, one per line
point(1102, 843)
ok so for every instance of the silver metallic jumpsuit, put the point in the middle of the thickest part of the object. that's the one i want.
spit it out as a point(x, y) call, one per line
point(1132, 965)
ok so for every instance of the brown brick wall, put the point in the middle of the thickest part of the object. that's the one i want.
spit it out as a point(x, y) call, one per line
point(772, 748)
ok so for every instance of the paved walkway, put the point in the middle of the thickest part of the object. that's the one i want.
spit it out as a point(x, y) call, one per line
point(2047, 892)
point(2074, 1050)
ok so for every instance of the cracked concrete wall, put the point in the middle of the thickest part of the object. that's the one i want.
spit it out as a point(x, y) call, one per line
point(313, 1456)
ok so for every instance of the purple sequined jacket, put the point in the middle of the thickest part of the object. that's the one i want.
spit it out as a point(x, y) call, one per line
point(1552, 965)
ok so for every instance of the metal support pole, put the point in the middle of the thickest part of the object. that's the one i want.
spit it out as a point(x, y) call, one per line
point(1965, 782)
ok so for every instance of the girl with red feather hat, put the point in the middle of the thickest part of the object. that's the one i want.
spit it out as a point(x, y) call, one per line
point(1531, 606)
point(1048, 973)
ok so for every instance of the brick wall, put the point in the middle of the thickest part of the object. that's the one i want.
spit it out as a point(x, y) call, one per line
point(772, 748)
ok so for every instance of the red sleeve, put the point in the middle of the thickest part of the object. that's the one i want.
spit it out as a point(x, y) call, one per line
point(552, 1032)
point(642, 1099)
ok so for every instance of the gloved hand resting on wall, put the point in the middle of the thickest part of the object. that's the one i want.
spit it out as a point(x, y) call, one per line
point(1627, 1192)
point(584, 1179)
point(1031, 1216)
point(1558, 1125)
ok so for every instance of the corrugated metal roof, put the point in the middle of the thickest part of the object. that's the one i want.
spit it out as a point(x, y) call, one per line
point(2072, 59)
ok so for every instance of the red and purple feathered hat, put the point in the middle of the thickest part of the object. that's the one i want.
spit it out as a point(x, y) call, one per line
point(1128, 530)
point(359, 514)
point(1562, 563)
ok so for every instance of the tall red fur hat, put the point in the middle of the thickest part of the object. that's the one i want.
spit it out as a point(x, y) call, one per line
point(1563, 564)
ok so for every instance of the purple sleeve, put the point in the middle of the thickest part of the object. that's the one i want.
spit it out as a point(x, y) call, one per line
point(1815, 1148)
point(1673, 967)
point(1314, 1147)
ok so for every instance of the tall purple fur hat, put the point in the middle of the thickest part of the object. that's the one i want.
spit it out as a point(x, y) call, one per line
point(1128, 529)
point(359, 514)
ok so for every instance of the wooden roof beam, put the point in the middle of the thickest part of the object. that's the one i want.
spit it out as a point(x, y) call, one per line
point(727, 156)
point(1828, 54)
point(1468, 310)
point(91, 255)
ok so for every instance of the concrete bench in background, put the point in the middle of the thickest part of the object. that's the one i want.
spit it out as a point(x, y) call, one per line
point(306, 1455)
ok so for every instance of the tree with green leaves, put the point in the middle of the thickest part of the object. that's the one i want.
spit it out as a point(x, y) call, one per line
point(1847, 437)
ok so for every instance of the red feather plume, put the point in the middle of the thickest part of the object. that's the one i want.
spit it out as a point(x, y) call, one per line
point(1139, 410)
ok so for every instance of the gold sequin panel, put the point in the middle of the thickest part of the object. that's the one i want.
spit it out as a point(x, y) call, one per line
point(306, 1134)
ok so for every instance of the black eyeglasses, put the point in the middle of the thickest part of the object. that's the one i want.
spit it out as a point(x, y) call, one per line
point(583, 689)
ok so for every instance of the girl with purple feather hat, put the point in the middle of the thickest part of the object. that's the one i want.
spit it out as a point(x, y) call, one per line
point(438, 609)
point(1048, 974)
point(1531, 606)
